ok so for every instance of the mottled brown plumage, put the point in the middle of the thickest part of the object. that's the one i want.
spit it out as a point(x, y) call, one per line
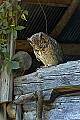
point(46, 49)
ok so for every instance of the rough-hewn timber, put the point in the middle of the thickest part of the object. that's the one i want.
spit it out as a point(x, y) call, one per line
point(62, 75)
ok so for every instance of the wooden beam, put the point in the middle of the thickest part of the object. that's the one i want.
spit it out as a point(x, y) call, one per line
point(0, 1)
point(23, 45)
point(63, 3)
point(54, 77)
point(59, 27)
point(68, 49)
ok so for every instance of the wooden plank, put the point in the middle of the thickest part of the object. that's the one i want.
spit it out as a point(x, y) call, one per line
point(64, 108)
point(62, 3)
point(67, 74)
point(59, 27)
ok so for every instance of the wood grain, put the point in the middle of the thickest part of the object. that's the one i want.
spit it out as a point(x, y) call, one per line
point(62, 75)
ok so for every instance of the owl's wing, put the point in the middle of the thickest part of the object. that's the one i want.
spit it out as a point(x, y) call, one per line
point(57, 49)
point(36, 52)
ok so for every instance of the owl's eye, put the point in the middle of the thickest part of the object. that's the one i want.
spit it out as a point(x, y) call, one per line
point(44, 41)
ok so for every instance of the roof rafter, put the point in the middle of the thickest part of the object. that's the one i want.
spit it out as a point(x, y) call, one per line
point(67, 15)
point(62, 3)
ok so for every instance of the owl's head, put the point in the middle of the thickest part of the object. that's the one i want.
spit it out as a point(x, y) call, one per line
point(38, 41)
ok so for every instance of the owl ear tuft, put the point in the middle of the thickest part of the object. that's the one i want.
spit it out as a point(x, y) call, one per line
point(40, 35)
point(29, 40)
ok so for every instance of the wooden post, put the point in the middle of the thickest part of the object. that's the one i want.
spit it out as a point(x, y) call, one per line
point(18, 112)
point(39, 108)
point(39, 102)
point(6, 82)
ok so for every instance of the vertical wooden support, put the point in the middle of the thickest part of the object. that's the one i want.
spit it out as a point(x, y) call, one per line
point(6, 87)
point(6, 82)
point(39, 108)
point(18, 112)
point(3, 113)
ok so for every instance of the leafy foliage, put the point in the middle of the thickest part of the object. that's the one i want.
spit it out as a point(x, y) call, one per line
point(9, 27)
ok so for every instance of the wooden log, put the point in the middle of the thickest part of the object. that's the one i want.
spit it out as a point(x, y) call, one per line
point(62, 75)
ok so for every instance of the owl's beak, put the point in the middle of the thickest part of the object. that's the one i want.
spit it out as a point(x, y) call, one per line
point(28, 39)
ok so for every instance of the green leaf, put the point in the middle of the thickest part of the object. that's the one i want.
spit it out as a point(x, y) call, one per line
point(23, 17)
point(0, 31)
point(19, 27)
point(5, 23)
point(14, 34)
point(4, 50)
point(8, 31)
point(4, 31)
point(6, 55)
point(7, 4)
point(18, 54)
point(1, 7)
point(0, 22)
point(25, 12)
point(18, 8)
point(2, 40)
point(5, 62)
point(12, 65)
point(10, 12)
point(1, 17)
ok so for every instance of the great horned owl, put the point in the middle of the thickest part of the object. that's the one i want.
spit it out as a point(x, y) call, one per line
point(46, 49)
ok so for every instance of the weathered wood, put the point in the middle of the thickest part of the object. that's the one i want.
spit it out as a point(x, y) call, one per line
point(25, 98)
point(5, 91)
point(70, 10)
point(18, 112)
point(39, 106)
point(67, 74)
point(64, 108)
point(48, 96)
point(3, 113)
point(62, 3)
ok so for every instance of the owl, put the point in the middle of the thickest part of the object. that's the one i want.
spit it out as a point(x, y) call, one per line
point(46, 49)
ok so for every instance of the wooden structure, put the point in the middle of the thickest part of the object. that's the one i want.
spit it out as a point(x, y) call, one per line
point(63, 78)
point(46, 84)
